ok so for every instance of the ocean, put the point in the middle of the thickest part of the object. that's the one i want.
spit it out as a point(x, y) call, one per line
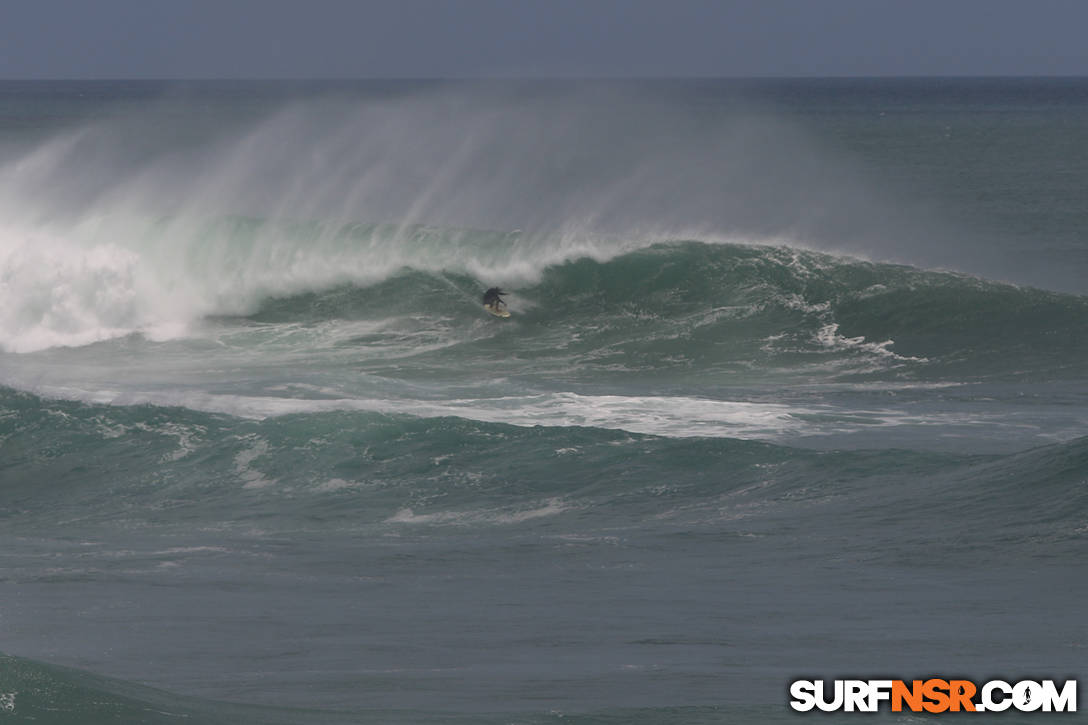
point(795, 386)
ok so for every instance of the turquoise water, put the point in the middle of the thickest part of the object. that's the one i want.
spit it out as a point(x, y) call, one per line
point(795, 384)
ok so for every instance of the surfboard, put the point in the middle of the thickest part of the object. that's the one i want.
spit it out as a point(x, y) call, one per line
point(497, 311)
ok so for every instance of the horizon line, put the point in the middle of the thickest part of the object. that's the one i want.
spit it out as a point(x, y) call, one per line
point(343, 79)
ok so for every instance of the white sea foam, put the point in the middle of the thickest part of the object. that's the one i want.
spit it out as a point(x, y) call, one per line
point(52, 294)
point(336, 484)
point(673, 416)
point(830, 337)
point(550, 507)
point(668, 416)
point(252, 478)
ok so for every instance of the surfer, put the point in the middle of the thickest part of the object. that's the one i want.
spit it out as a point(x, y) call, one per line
point(493, 299)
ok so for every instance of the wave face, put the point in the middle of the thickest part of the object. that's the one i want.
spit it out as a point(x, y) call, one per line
point(373, 469)
point(719, 300)
point(779, 370)
point(676, 339)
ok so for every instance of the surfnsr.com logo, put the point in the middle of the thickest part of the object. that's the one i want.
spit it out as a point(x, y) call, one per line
point(934, 695)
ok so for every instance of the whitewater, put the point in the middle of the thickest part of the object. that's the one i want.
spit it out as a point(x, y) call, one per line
point(795, 383)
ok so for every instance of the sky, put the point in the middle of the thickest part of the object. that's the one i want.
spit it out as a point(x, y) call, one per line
point(42, 39)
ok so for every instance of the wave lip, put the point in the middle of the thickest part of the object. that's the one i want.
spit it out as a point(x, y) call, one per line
point(53, 295)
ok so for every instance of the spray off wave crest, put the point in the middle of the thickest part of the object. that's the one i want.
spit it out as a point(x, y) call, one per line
point(55, 292)
point(148, 221)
